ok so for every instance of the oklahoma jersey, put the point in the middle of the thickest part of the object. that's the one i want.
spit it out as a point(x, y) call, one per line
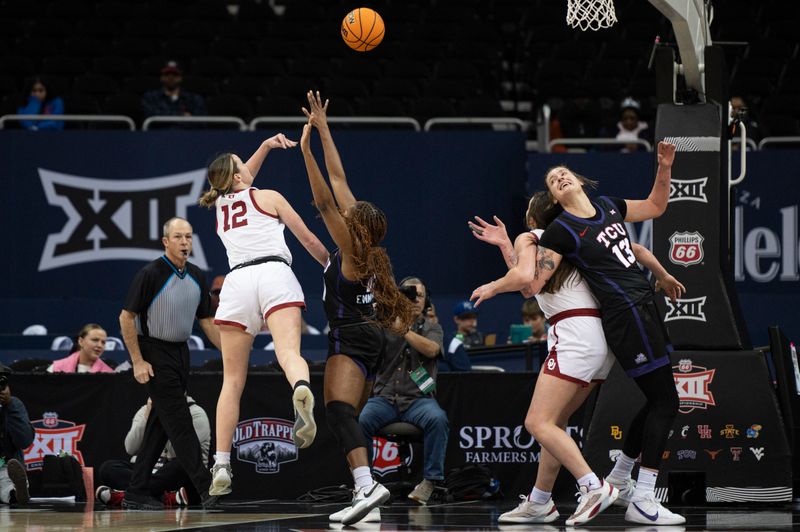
point(247, 231)
point(600, 248)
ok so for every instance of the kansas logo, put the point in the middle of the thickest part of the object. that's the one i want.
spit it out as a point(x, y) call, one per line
point(116, 219)
point(688, 190)
point(686, 248)
point(686, 309)
point(266, 442)
point(53, 436)
point(386, 456)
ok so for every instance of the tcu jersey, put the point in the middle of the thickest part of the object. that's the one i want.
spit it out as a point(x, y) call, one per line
point(574, 294)
point(248, 232)
point(600, 248)
point(346, 302)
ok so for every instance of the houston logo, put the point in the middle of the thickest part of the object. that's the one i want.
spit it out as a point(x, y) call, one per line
point(686, 248)
point(693, 386)
point(266, 442)
point(53, 436)
point(112, 219)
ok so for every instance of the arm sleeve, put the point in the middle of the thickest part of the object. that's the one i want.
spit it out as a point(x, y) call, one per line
point(135, 437)
point(18, 424)
point(136, 300)
point(557, 239)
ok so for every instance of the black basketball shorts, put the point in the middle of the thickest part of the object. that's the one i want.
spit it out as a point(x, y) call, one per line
point(362, 342)
point(638, 338)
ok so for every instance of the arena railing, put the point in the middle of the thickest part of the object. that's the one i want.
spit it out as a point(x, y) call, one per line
point(766, 141)
point(500, 120)
point(377, 120)
point(751, 144)
point(597, 142)
point(70, 118)
point(234, 120)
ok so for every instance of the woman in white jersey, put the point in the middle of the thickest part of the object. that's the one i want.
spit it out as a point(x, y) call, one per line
point(260, 287)
point(578, 358)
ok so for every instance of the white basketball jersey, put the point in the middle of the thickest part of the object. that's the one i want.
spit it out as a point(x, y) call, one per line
point(574, 293)
point(247, 231)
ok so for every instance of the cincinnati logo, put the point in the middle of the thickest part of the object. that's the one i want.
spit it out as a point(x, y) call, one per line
point(686, 309)
point(113, 219)
point(266, 442)
point(693, 386)
point(386, 456)
point(686, 248)
point(53, 436)
point(688, 190)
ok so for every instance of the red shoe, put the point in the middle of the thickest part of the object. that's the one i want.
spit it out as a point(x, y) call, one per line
point(172, 499)
point(109, 497)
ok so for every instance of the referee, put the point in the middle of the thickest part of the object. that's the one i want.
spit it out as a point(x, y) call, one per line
point(163, 301)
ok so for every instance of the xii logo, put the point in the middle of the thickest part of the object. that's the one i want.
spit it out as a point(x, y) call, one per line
point(686, 309)
point(109, 219)
point(688, 190)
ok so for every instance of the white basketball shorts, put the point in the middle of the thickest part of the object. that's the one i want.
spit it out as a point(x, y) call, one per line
point(249, 295)
point(578, 350)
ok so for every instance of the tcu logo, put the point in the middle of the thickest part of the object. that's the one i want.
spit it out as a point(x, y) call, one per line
point(686, 248)
point(116, 218)
point(52, 437)
point(688, 190)
point(611, 233)
point(693, 387)
point(686, 309)
point(386, 456)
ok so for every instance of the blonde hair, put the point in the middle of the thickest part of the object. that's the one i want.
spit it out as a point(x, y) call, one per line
point(220, 177)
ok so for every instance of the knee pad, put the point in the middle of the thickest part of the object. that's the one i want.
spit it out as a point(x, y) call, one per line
point(341, 419)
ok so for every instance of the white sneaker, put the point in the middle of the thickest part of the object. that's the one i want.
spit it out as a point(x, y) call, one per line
point(626, 490)
point(374, 516)
point(364, 500)
point(305, 428)
point(592, 502)
point(650, 512)
point(530, 512)
point(221, 480)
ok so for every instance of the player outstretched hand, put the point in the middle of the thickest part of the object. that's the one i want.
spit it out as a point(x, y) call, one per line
point(280, 141)
point(666, 153)
point(672, 288)
point(482, 293)
point(492, 234)
point(318, 114)
point(305, 140)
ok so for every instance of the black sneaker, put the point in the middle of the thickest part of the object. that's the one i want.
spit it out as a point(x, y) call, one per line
point(135, 501)
point(209, 502)
point(18, 477)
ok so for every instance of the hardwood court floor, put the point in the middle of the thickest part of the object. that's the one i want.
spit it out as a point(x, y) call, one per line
point(276, 516)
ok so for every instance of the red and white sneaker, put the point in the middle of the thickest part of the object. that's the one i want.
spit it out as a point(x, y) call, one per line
point(109, 497)
point(592, 502)
point(172, 499)
point(530, 512)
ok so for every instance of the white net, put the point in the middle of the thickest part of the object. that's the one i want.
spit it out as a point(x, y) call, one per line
point(591, 14)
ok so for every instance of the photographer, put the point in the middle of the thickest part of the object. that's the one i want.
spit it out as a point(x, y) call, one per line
point(405, 388)
point(16, 434)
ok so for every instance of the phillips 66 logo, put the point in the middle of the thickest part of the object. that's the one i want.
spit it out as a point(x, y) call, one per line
point(686, 248)
point(386, 456)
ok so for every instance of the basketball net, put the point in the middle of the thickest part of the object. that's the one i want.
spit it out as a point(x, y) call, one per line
point(591, 14)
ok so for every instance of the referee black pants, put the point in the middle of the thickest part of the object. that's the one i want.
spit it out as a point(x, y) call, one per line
point(170, 418)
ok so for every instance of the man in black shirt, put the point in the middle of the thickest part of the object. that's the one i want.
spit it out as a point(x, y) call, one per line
point(400, 396)
point(171, 99)
point(163, 301)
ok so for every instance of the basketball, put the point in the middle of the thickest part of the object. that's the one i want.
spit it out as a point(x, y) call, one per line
point(363, 29)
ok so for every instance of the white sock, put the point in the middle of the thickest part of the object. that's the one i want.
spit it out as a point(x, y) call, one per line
point(362, 477)
point(538, 496)
point(645, 483)
point(622, 469)
point(222, 458)
point(589, 480)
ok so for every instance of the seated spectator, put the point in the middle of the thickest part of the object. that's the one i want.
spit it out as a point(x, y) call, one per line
point(41, 99)
point(91, 343)
point(465, 315)
point(405, 389)
point(169, 483)
point(16, 435)
point(532, 315)
point(171, 99)
point(455, 357)
point(630, 127)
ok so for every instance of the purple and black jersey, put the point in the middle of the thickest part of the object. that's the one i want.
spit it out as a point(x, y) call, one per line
point(346, 302)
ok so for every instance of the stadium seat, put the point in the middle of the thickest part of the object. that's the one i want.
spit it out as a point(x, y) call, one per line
point(382, 106)
point(63, 66)
point(95, 85)
point(115, 66)
point(202, 85)
point(248, 86)
point(262, 66)
point(125, 104)
point(213, 66)
point(17, 65)
point(230, 105)
point(346, 88)
point(79, 104)
point(396, 88)
point(281, 105)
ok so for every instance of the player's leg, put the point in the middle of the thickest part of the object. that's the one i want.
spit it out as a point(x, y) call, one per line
point(236, 347)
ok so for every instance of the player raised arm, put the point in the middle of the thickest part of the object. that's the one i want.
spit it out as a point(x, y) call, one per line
point(318, 117)
point(297, 226)
point(257, 159)
point(656, 203)
point(496, 235)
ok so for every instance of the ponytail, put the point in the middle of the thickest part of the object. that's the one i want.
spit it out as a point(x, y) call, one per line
point(220, 177)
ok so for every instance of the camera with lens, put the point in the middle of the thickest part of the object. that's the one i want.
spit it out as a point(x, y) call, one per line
point(3, 381)
point(409, 290)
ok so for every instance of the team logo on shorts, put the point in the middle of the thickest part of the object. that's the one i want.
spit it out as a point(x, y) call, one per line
point(113, 219)
point(688, 190)
point(686, 309)
point(386, 456)
point(692, 383)
point(53, 436)
point(266, 442)
point(686, 248)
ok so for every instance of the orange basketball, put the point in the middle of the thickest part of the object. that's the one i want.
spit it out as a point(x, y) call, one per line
point(363, 29)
